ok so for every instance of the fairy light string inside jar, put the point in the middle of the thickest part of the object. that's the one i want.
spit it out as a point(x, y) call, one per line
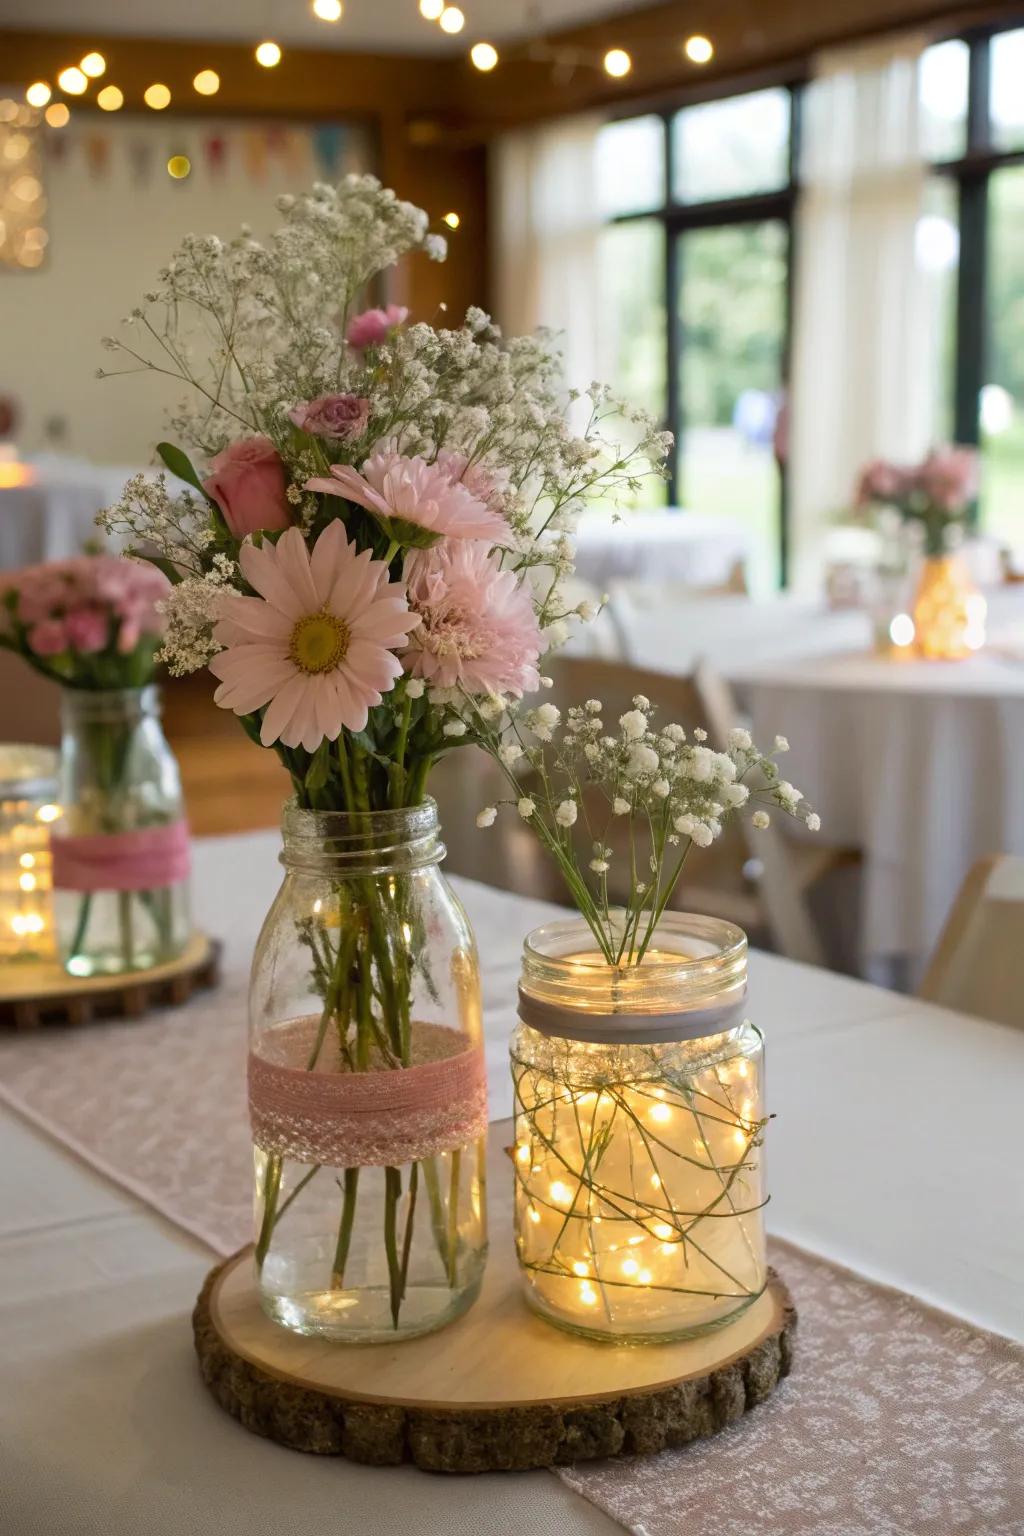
point(639, 1125)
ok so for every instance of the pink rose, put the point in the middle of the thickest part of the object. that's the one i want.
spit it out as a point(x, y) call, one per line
point(373, 326)
point(48, 638)
point(248, 485)
point(343, 417)
point(882, 481)
point(86, 630)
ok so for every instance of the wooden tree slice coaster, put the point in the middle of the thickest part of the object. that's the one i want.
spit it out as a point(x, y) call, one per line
point(498, 1390)
point(33, 995)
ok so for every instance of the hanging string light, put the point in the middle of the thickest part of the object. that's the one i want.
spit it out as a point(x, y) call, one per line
point(157, 96)
point(72, 81)
point(699, 49)
point(58, 114)
point(452, 220)
point(268, 54)
point(38, 94)
point(327, 10)
point(452, 19)
point(207, 82)
point(617, 63)
point(93, 65)
point(431, 10)
point(110, 99)
point(484, 56)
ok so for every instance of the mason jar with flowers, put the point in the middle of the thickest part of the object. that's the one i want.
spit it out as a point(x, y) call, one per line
point(382, 532)
point(120, 851)
point(638, 1076)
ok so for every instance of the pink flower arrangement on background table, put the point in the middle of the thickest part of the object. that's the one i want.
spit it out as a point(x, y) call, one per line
point(948, 617)
point(93, 624)
point(379, 531)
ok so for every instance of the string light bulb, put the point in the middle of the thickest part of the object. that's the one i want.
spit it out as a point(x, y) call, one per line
point(452, 220)
point(699, 49)
point(207, 82)
point(110, 99)
point(484, 56)
point(268, 54)
point(179, 166)
point(617, 63)
point(58, 114)
point(38, 94)
point(93, 65)
point(157, 96)
point(452, 19)
point(327, 10)
point(72, 81)
point(431, 10)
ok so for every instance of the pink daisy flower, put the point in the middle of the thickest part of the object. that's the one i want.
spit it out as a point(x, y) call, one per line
point(478, 630)
point(412, 498)
point(316, 646)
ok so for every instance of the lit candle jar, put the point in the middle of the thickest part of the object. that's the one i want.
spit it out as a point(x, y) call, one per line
point(639, 1125)
point(28, 790)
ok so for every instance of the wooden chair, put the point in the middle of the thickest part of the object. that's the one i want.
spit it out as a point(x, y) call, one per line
point(978, 964)
point(757, 879)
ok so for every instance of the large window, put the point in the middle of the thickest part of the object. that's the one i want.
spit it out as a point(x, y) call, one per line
point(700, 204)
point(696, 264)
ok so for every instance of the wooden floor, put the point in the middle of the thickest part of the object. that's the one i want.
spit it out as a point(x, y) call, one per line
point(231, 785)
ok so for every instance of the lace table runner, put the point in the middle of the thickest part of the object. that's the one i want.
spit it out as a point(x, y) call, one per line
point(897, 1420)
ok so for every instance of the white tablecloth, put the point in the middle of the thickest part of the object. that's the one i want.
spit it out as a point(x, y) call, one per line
point(918, 764)
point(663, 544)
point(52, 517)
point(895, 1151)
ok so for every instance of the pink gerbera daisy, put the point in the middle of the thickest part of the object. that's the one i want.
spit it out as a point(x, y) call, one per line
point(316, 647)
point(413, 498)
point(478, 630)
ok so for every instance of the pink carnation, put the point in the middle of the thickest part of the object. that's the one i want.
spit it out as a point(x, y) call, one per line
point(484, 481)
point(478, 628)
point(403, 490)
point(48, 638)
point(374, 326)
point(86, 630)
point(342, 417)
point(949, 478)
point(882, 481)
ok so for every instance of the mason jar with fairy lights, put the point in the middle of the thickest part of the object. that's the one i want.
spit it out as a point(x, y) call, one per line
point(639, 1161)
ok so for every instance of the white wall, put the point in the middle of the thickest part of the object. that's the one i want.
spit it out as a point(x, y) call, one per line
point(111, 228)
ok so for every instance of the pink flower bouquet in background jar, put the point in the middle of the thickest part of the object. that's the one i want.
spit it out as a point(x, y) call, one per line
point(120, 846)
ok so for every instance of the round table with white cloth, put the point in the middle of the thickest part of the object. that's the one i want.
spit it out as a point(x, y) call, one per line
point(52, 514)
point(918, 764)
point(660, 544)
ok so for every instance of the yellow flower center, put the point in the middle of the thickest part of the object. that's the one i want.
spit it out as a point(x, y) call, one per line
point(319, 642)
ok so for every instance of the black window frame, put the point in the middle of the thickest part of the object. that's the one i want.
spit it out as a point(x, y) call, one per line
point(678, 218)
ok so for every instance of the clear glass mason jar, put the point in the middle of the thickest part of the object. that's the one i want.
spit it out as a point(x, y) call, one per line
point(639, 1125)
point(367, 1083)
point(120, 847)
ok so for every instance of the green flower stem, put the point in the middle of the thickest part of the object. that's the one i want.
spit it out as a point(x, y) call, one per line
point(392, 1195)
point(453, 1217)
point(348, 1216)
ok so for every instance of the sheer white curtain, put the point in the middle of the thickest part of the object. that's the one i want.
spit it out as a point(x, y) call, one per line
point(545, 227)
point(864, 361)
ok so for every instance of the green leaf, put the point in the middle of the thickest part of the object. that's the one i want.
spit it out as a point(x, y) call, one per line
point(319, 768)
point(180, 464)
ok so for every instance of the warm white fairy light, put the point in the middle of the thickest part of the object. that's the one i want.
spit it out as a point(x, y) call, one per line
point(110, 99)
point(617, 63)
point(452, 20)
point(93, 65)
point(431, 10)
point(327, 10)
point(207, 82)
point(699, 49)
point(157, 96)
point(38, 94)
point(72, 81)
point(452, 219)
point(268, 54)
point(650, 1237)
point(484, 57)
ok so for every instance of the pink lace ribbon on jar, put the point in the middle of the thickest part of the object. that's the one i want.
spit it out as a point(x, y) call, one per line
point(378, 1119)
point(144, 860)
